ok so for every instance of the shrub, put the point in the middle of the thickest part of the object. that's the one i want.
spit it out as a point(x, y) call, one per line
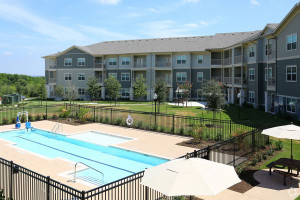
point(241, 141)
point(106, 120)
point(118, 121)
point(189, 132)
point(44, 117)
point(38, 117)
point(172, 130)
point(138, 124)
point(54, 116)
point(154, 127)
point(181, 131)
point(5, 121)
point(14, 120)
point(218, 137)
point(278, 145)
point(239, 169)
point(162, 129)
point(83, 114)
point(64, 113)
point(30, 118)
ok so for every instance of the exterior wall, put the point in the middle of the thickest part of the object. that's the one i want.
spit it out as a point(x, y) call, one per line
point(188, 75)
point(206, 60)
point(74, 54)
point(292, 27)
point(253, 85)
point(198, 85)
point(246, 54)
point(186, 65)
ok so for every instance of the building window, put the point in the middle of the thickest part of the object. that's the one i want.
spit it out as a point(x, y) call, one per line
point(181, 59)
point(200, 94)
point(68, 77)
point(251, 96)
point(112, 61)
point(125, 77)
point(181, 76)
point(291, 105)
point(200, 76)
point(125, 60)
point(81, 61)
point(81, 77)
point(291, 42)
point(113, 74)
point(81, 91)
point(291, 73)
point(251, 74)
point(268, 49)
point(68, 61)
point(251, 51)
point(268, 74)
point(200, 59)
point(125, 93)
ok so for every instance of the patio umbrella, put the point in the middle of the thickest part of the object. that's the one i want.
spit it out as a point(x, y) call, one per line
point(193, 176)
point(290, 131)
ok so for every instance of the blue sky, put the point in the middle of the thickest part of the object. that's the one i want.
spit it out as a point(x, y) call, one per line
point(31, 29)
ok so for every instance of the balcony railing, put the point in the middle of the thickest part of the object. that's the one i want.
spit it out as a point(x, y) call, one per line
point(228, 61)
point(140, 64)
point(238, 59)
point(224, 80)
point(271, 54)
point(271, 81)
point(238, 80)
point(52, 67)
point(162, 64)
point(99, 65)
point(135, 78)
point(167, 80)
point(216, 61)
point(99, 80)
point(52, 80)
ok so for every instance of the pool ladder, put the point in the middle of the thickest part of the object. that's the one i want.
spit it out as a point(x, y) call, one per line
point(75, 171)
point(57, 128)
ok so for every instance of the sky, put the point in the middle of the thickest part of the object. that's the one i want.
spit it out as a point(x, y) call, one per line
point(31, 29)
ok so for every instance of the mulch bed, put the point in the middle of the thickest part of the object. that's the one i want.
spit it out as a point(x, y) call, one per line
point(71, 121)
point(248, 182)
point(198, 145)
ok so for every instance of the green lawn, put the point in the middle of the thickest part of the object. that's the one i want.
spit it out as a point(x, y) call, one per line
point(298, 198)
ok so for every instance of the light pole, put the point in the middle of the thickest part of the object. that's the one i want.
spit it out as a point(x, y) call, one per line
point(239, 97)
point(155, 98)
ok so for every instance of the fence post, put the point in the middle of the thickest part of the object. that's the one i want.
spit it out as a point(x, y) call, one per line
point(46, 111)
point(195, 154)
point(208, 152)
point(11, 179)
point(230, 127)
point(48, 188)
point(146, 193)
point(234, 151)
point(94, 113)
point(253, 141)
point(111, 115)
point(83, 195)
point(173, 124)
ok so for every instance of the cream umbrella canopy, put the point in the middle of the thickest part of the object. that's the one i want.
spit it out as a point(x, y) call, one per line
point(290, 131)
point(193, 176)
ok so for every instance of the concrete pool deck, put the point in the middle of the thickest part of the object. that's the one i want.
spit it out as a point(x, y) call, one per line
point(147, 142)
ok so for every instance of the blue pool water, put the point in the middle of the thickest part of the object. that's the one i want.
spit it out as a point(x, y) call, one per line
point(114, 163)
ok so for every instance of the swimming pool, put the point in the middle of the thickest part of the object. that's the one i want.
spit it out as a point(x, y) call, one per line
point(113, 162)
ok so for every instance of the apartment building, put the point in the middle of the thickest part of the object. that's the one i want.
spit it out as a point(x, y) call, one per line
point(261, 66)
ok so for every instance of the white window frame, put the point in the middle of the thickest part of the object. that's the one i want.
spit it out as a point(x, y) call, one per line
point(81, 63)
point(200, 59)
point(125, 92)
point(81, 91)
point(250, 79)
point(67, 64)
point(68, 76)
point(291, 35)
point(126, 61)
point(286, 75)
point(180, 77)
point(125, 76)
point(112, 61)
point(81, 76)
point(181, 60)
point(252, 51)
point(268, 73)
point(291, 110)
point(199, 77)
point(113, 74)
point(251, 96)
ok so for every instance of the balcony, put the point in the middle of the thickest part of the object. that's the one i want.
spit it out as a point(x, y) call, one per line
point(238, 80)
point(140, 64)
point(271, 54)
point(163, 64)
point(135, 78)
point(99, 80)
point(238, 59)
point(52, 67)
point(52, 80)
point(224, 80)
point(216, 61)
point(228, 61)
point(99, 65)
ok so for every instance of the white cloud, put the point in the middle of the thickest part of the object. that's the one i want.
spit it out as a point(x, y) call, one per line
point(190, 1)
point(192, 25)
point(37, 23)
point(254, 2)
point(8, 53)
point(105, 34)
point(108, 2)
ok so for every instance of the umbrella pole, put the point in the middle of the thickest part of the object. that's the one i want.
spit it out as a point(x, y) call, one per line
point(292, 150)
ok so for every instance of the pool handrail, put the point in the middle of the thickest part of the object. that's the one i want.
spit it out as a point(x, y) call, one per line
point(57, 126)
point(75, 170)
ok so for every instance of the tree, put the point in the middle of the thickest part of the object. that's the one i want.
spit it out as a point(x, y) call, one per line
point(112, 86)
point(214, 95)
point(7, 89)
point(93, 88)
point(186, 89)
point(71, 94)
point(41, 91)
point(59, 91)
point(161, 90)
point(140, 88)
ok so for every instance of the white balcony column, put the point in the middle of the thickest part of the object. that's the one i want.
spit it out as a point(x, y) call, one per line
point(232, 56)
point(242, 73)
point(266, 101)
point(131, 93)
point(232, 95)
point(171, 94)
point(103, 93)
